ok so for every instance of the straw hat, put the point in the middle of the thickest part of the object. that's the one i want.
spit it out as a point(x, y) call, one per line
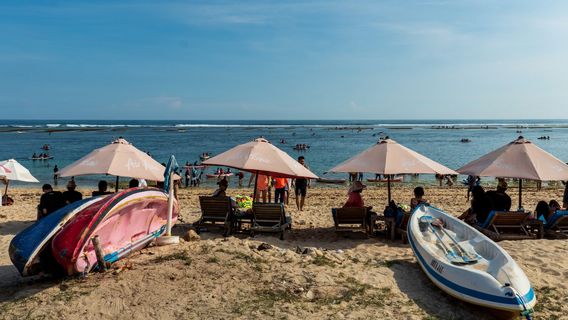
point(357, 186)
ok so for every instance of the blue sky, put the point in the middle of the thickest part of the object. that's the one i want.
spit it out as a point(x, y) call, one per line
point(283, 60)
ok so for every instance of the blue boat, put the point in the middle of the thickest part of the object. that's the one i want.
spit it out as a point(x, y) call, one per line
point(27, 245)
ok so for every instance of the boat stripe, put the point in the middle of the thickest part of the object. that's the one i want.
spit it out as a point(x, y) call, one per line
point(467, 291)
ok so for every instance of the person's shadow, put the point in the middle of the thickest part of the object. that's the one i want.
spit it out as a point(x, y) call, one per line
point(13, 227)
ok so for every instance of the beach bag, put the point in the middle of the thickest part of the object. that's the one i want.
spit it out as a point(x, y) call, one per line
point(391, 211)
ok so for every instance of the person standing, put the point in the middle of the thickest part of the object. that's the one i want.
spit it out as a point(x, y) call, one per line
point(55, 174)
point(241, 176)
point(300, 186)
point(280, 185)
point(187, 177)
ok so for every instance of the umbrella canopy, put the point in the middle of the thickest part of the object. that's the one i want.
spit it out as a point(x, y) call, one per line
point(13, 170)
point(261, 157)
point(389, 157)
point(120, 159)
point(520, 159)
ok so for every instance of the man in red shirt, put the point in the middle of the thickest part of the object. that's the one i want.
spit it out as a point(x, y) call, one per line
point(280, 185)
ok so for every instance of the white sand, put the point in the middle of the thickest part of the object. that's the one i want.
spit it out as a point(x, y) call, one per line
point(345, 277)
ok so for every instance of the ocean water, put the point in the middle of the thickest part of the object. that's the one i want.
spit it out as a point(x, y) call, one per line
point(331, 142)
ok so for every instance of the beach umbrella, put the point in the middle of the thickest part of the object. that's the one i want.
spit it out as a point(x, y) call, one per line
point(519, 159)
point(261, 157)
point(13, 170)
point(388, 157)
point(120, 159)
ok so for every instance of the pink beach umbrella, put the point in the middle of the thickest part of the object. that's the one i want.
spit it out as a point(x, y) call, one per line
point(389, 158)
point(261, 157)
point(519, 159)
point(120, 159)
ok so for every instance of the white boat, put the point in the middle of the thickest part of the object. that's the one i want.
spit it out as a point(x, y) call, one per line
point(466, 264)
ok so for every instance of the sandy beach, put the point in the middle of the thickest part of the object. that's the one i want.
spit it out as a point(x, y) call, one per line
point(343, 277)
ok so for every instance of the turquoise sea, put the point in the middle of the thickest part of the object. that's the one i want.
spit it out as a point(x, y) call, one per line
point(331, 142)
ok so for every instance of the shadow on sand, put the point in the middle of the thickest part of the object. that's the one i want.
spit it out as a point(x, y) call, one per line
point(13, 227)
point(417, 286)
point(325, 238)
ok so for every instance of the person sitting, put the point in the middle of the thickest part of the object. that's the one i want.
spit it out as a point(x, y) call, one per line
point(481, 205)
point(133, 183)
point(554, 205)
point(355, 200)
point(501, 200)
point(49, 202)
point(543, 211)
point(221, 192)
point(71, 195)
point(102, 189)
point(417, 200)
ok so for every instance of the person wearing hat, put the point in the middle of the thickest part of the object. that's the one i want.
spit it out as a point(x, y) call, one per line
point(221, 191)
point(500, 199)
point(71, 195)
point(355, 200)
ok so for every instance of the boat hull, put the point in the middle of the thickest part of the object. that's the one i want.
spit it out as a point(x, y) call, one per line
point(223, 175)
point(124, 223)
point(481, 283)
point(26, 246)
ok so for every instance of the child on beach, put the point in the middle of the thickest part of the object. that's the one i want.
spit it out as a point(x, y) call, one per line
point(417, 200)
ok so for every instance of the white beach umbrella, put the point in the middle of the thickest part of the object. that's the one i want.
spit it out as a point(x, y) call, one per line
point(13, 170)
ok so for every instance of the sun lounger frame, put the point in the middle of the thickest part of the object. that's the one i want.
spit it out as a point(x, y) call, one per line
point(216, 212)
point(510, 225)
point(270, 217)
point(354, 218)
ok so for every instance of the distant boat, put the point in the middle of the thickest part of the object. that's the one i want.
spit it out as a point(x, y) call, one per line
point(465, 140)
point(203, 158)
point(394, 179)
point(330, 181)
point(41, 158)
point(222, 175)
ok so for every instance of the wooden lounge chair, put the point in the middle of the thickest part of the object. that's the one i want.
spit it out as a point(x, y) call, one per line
point(509, 225)
point(270, 217)
point(216, 212)
point(558, 222)
point(354, 218)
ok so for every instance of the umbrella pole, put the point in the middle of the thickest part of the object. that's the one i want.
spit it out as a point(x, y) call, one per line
point(116, 187)
point(6, 190)
point(170, 205)
point(389, 187)
point(254, 192)
point(520, 192)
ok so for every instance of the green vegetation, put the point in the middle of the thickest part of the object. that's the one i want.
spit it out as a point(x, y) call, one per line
point(180, 255)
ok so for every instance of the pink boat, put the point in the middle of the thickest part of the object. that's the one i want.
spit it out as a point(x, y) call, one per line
point(125, 222)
